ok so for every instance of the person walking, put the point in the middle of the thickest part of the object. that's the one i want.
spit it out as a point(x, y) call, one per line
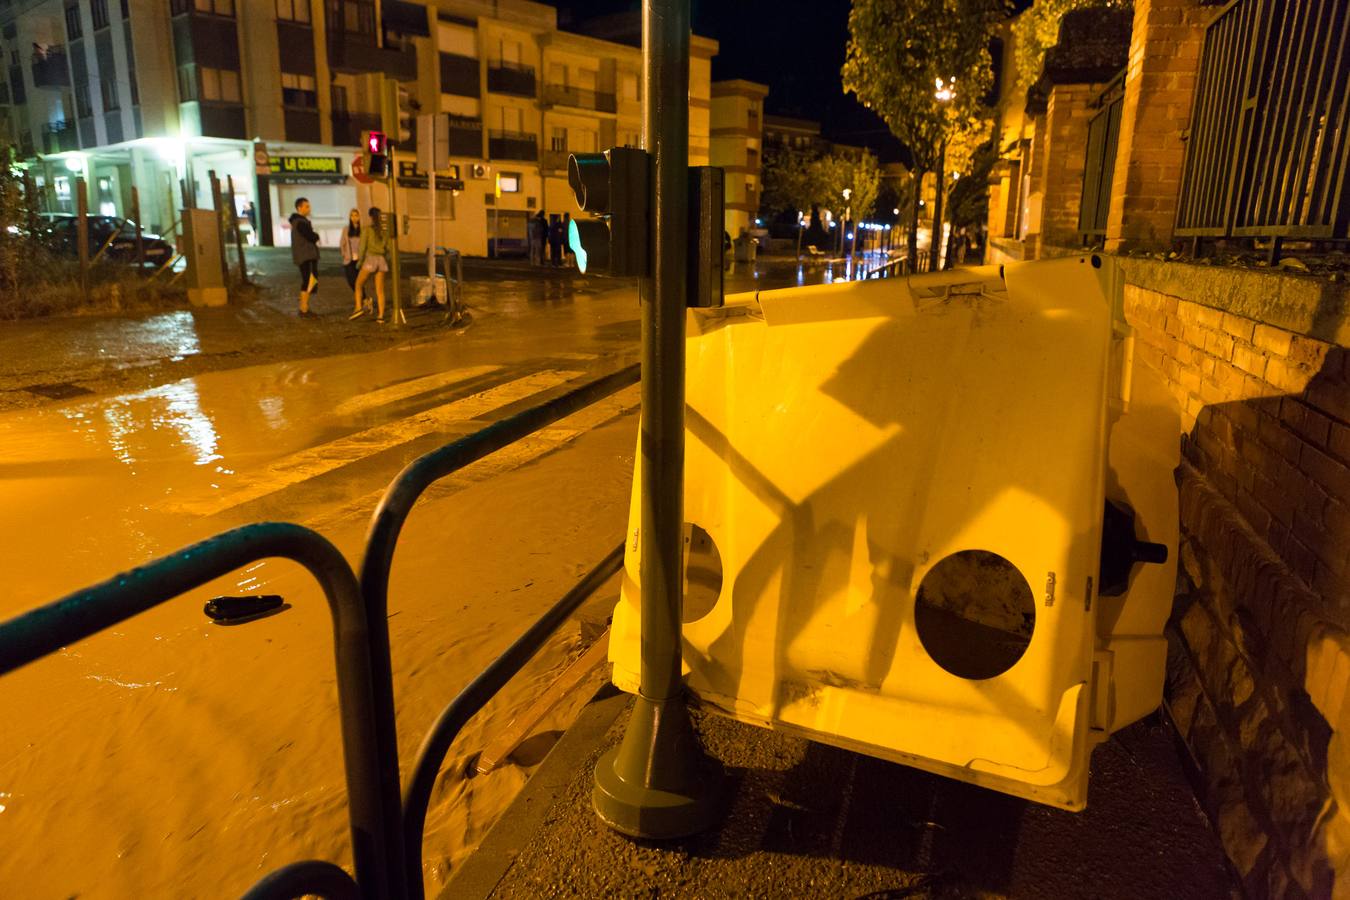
point(305, 254)
point(538, 237)
point(569, 258)
point(555, 239)
point(351, 264)
point(372, 256)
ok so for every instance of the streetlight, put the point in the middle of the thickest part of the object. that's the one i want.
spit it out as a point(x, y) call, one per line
point(943, 93)
point(848, 216)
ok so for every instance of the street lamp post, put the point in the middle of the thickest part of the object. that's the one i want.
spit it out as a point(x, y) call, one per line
point(944, 93)
point(846, 220)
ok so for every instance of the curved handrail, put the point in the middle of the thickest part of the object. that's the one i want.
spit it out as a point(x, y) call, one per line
point(472, 699)
point(368, 747)
point(397, 503)
point(305, 878)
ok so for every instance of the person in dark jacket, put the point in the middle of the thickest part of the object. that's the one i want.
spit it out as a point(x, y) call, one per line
point(538, 234)
point(305, 254)
point(555, 239)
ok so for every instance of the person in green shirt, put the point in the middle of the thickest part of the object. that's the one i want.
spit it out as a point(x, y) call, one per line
point(373, 257)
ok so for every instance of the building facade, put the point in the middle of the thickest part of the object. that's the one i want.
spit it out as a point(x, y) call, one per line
point(737, 143)
point(272, 96)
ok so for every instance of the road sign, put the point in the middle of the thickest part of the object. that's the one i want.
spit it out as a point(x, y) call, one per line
point(359, 169)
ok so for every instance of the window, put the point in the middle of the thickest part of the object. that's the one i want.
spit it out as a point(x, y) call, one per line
point(108, 89)
point(293, 11)
point(220, 85)
point(630, 87)
point(352, 16)
point(510, 182)
point(339, 100)
point(513, 119)
point(126, 9)
point(299, 91)
point(216, 7)
point(73, 27)
point(98, 11)
point(83, 107)
point(558, 140)
point(187, 83)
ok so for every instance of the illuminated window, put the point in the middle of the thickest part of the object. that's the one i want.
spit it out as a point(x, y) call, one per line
point(299, 91)
point(220, 85)
point(510, 182)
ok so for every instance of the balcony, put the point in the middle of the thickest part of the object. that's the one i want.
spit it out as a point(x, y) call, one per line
point(459, 75)
point(357, 54)
point(302, 125)
point(60, 136)
point(466, 137)
point(554, 160)
point(581, 98)
point(511, 78)
point(222, 120)
point(512, 145)
point(347, 127)
point(50, 69)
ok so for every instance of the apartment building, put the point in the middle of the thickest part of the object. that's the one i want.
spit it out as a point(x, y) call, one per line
point(736, 144)
point(273, 95)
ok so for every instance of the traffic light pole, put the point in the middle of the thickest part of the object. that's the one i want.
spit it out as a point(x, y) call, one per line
point(658, 783)
point(389, 100)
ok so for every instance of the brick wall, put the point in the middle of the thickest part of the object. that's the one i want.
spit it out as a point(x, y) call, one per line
point(1159, 85)
point(1260, 661)
point(1066, 127)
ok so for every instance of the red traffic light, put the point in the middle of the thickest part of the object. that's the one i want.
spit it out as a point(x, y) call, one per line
point(376, 142)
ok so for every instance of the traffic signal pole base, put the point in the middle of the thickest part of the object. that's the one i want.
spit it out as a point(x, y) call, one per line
point(658, 784)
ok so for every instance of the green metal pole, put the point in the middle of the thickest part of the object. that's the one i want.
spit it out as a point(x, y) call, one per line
point(658, 783)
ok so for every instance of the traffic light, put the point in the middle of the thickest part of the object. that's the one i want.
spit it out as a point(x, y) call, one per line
point(399, 113)
point(375, 149)
point(615, 187)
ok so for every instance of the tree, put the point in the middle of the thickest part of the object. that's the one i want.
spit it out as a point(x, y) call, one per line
point(897, 52)
point(1037, 30)
point(834, 174)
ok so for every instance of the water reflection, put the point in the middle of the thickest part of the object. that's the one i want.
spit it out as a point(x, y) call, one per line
point(132, 420)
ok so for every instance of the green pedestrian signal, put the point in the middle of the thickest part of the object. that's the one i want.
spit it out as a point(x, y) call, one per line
point(614, 187)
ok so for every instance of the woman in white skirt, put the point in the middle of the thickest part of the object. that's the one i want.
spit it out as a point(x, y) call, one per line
point(373, 257)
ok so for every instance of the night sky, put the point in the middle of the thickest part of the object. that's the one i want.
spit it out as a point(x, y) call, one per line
point(796, 47)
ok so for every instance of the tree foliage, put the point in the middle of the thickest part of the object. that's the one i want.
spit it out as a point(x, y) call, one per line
point(898, 49)
point(20, 247)
point(1037, 30)
point(798, 181)
point(968, 200)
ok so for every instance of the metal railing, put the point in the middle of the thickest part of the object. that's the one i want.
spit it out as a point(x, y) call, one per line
point(1269, 144)
point(512, 145)
point(369, 750)
point(510, 78)
point(581, 98)
point(1100, 166)
point(385, 865)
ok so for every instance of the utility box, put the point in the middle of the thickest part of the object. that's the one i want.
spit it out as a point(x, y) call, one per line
point(929, 519)
point(205, 266)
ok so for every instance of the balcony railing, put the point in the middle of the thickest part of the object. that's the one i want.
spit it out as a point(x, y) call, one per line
point(1269, 146)
point(466, 137)
point(511, 78)
point(60, 136)
point(512, 145)
point(354, 54)
point(582, 98)
point(347, 127)
point(50, 69)
point(459, 75)
point(554, 160)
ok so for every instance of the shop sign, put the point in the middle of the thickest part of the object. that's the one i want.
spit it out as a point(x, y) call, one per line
point(308, 170)
point(410, 176)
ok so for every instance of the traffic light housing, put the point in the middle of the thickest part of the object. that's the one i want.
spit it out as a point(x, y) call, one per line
point(375, 149)
point(614, 186)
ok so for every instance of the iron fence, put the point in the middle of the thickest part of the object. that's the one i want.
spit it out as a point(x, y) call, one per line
point(1269, 144)
point(1100, 166)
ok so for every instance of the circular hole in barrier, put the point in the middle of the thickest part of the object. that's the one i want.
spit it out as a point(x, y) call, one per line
point(1096, 261)
point(702, 573)
point(974, 612)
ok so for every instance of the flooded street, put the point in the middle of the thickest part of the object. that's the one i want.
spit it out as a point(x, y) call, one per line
point(173, 757)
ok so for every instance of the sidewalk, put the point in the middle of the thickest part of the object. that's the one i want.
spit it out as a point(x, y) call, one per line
point(807, 820)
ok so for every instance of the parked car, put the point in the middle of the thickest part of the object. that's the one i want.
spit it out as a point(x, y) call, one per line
point(61, 229)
